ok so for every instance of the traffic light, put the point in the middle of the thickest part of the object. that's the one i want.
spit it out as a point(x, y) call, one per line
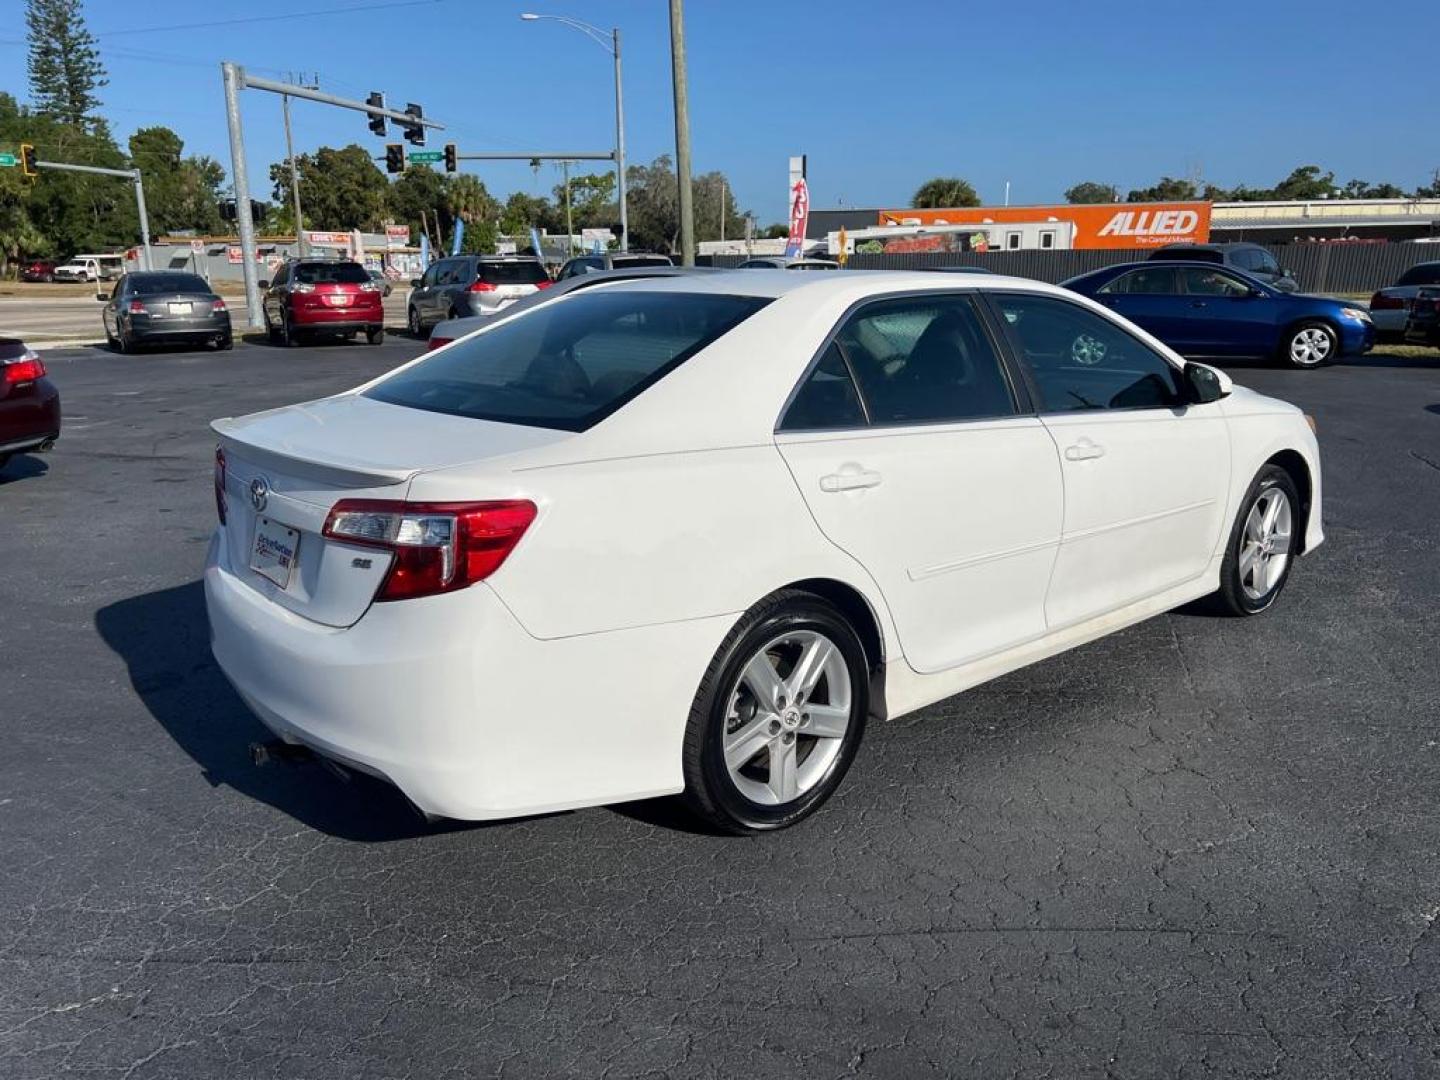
point(27, 159)
point(451, 159)
point(394, 157)
point(227, 209)
point(414, 133)
point(377, 123)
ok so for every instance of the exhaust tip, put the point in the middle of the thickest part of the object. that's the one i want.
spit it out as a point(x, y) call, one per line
point(45, 447)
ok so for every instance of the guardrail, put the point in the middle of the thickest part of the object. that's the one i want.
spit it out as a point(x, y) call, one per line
point(1333, 268)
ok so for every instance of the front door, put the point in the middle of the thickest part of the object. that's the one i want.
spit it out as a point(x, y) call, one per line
point(1150, 297)
point(1227, 316)
point(1145, 474)
point(909, 446)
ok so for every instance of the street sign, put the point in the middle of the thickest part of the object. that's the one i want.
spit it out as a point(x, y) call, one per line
point(9, 161)
point(417, 157)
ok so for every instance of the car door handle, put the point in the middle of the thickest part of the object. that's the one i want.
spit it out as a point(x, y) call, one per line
point(849, 479)
point(1084, 450)
point(1197, 303)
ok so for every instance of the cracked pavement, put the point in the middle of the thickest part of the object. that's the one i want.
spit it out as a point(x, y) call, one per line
point(1198, 848)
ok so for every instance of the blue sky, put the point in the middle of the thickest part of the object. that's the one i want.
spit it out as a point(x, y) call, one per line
point(880, 96)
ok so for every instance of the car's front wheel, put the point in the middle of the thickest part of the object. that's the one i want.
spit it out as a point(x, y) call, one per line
point(1262, 546)
point(1311, 344)
point(778, 716)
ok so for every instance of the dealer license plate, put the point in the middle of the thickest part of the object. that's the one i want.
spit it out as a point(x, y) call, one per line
point(274, 551)
point(180, 309)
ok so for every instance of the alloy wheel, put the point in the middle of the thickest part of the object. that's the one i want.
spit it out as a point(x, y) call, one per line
point(1310, 346)
point(787, 716)
point(1265, 543)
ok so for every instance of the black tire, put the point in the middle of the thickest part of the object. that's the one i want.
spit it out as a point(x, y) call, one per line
point(710, 790)
point(4, 460)
point(1295, 355)
point(1233, 598)
point(288, 337)
point(122, 344)
point(376, 336)
point(412, 321)
point(453, 314)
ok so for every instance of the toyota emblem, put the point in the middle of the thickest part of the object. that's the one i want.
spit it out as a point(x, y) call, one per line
point(259, 493)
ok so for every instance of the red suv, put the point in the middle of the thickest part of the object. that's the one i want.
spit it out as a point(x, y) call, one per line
point(323, 296)
point(29, 402)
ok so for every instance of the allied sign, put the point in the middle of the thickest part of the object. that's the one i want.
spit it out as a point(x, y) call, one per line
point(799, 218)
point(1096, 225)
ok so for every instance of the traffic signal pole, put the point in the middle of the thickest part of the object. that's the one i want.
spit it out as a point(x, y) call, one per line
point(133, 175)
point(236, 79)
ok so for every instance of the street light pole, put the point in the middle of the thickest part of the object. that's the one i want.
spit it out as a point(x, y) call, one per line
point(595, 34)
point(682, 133)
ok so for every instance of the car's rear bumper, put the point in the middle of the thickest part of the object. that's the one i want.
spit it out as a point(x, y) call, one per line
point(451, 700)
point(30, 421)
point(151, 328)
point(340, 321)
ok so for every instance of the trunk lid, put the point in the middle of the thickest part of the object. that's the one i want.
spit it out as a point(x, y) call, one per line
point(287, 467)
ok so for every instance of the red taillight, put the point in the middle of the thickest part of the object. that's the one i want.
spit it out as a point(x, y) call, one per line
point(481, 286)
point(220, 505)
point(217, 304)
point(137, 307)
point(437, 342)
point(544, 284)
point(438, 547)
point(26, 369)
point(1381, 302)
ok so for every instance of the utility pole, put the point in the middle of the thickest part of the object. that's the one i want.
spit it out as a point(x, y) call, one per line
point(682, 133)
point(569, 224)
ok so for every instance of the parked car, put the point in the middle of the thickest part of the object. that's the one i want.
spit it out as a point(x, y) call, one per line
point(780, 262)
point(1390, 307)
point(379, 278)
point(91, 268)
point(1215, 311)
point(29, 402)
point(1423, 325)
point(612, 260)
point(692, 534)
point(1251, 259)
point(38, 270)
point(452, 329)
point(471, 285)
point(314, 297)
point(165, 307)
point(958, 269)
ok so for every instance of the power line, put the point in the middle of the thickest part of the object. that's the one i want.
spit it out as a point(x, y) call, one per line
point(250, 19)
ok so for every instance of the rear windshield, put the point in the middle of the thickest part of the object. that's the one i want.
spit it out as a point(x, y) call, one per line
point(152, 285)
point(520, 272)
point(1424, 274)
point(640, 260)
point(570, 363)
point(337, 273)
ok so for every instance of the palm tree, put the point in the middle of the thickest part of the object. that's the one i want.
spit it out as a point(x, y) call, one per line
point(944, 191)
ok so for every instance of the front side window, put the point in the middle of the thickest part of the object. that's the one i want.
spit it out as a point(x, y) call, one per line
point(1199, 282)
point(568, 364)
point(1081, 360)
point(1153, 282)
point(925, 359)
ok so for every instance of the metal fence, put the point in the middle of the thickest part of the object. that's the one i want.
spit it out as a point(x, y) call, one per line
point(1332, 268)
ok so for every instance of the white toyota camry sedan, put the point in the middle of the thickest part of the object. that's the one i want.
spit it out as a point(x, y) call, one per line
point(693, 534)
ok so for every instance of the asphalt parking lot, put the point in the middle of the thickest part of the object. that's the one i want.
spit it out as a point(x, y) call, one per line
point(1198, 848)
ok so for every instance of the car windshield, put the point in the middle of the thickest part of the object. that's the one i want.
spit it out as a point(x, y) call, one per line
point(570, 363)
point(336, 273)
point(520, 272)
point(154, 284)
point(1424, 274)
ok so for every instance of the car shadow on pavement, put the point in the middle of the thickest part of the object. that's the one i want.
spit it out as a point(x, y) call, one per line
point(164, 639)
point(23, 467)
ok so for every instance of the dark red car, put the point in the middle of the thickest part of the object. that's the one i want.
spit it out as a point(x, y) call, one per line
point(310, 297)
point(38, 270)
point(29, 402)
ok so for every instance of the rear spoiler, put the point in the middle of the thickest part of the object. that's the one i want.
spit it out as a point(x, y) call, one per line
point(335, 471)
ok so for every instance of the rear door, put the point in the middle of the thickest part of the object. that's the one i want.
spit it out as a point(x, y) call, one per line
point(916, 454)
point(1151, 298)
point(1225, 316)
point(1145, 475)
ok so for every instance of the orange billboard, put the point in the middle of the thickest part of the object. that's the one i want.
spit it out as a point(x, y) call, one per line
point(1097, 225)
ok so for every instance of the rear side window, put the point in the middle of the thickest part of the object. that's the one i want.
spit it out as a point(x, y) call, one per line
point(1161, 281)
point(569, 364)
point(336, 273)
point(1424, 274)
point(520, 272)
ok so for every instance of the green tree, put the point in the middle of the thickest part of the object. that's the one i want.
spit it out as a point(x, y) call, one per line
point(1305, 183)
point(1430, 190)
point(418, 190)
point(653, 198)
point(523, 212)
point(181, 194)
point(708, 190)
point(592, 200)
point(1169, 189)
point(339, 189)
point(778, 231)
point(1088, 191)
point(944, 191)
point(467, 200)
point(63, 64)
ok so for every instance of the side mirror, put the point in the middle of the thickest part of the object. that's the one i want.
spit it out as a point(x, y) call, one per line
point(415, 283)
point(100, 295)
point(263, 283)
point(1204, 384)
point(1257, 294)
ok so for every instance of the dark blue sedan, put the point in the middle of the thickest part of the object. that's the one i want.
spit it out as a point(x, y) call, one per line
point(1214, 311)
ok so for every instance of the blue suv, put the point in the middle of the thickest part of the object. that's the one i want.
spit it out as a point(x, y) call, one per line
point(1213, 311)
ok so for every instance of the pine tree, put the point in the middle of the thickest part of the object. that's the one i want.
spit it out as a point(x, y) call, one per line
point(64, 63)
